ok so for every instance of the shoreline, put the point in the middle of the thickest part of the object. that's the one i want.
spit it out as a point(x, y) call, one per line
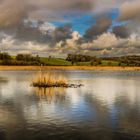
point(69, 68)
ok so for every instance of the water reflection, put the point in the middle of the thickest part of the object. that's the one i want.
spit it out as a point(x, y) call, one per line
point(3, 80)
point(107, 107)
point(51, 94)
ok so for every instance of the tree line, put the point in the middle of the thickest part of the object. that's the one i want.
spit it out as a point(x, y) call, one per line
point(75, 59)
point(120, 61)
point(20, 59)
point(133, 60)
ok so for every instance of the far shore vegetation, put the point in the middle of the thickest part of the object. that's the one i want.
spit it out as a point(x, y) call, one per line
point(71, 60)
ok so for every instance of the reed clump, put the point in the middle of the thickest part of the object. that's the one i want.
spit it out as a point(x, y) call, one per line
point(52, 80)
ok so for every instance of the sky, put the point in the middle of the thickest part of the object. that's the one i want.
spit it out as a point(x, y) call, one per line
point(82, 22)
point(59, 27)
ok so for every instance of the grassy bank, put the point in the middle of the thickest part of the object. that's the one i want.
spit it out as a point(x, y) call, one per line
point(68, 68)
point(63, 62)
point(55, 61)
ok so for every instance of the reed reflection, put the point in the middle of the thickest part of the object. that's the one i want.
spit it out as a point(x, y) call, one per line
point(3, 80)
point(51, 94)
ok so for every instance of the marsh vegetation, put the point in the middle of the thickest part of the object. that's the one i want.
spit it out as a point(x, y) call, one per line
point(50, 79)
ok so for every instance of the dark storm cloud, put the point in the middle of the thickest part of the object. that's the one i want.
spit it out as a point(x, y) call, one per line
point(54, 10)
point(61, 5)
point(62, 33)
point(13, 11)
point(121, 31)
point(28, 32)
point(25, 32)
point(101, 26)
point(129, 10)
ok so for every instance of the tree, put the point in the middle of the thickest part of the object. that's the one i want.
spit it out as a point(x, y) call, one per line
point(50, 57)
point(5, 56)
point(72, 62)
point(91, 63)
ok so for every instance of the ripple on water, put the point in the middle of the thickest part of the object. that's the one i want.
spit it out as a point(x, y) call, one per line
point(107, 107)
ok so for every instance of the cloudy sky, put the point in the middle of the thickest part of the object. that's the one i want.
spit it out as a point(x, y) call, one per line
point(59, 27)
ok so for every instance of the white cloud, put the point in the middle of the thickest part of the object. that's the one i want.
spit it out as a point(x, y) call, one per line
point(105, 40)
point(46, 27)
point(106, 44)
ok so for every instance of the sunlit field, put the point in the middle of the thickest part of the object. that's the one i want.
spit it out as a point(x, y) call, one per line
point(67, 68)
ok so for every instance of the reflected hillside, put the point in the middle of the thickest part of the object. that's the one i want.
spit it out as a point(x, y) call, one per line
point(3, 80)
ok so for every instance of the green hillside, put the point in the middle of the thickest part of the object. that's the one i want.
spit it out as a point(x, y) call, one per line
point(55, 61)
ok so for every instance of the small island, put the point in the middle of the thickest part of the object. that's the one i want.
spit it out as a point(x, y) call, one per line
point(48, 80)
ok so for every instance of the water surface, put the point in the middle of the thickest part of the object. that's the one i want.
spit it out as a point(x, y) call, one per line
point(107, 107)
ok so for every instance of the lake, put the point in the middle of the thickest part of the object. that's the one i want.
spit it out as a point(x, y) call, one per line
point(107, 107)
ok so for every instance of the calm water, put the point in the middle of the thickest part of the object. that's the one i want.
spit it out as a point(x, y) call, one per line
point(106, 108)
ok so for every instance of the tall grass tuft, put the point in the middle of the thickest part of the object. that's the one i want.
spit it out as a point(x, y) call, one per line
point(49, 80)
